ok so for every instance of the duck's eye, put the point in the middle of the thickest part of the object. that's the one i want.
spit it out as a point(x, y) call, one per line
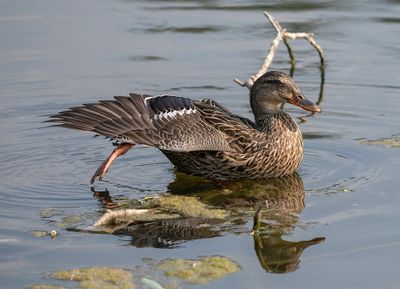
point(276, 82)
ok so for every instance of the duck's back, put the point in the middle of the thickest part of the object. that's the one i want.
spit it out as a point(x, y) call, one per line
point(271, 148)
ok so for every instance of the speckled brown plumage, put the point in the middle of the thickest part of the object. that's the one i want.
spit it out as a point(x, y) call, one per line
point(201, 137)
point(274, 149)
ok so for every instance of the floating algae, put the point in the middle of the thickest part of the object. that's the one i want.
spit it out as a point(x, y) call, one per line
point(189, 207)
point(168, 273)
point(50, 212)
point(75, 219)
point(46, 286)
point(97, 277)
point(38, 233)
point(199, 271)
point(42, 233)
point(392, 141)
point(125, 203)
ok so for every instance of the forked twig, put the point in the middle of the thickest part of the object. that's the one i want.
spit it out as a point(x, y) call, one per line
point(282, 34)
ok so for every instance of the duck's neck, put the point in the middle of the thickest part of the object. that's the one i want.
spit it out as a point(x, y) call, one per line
point(275, 120)
point(260, 114)
point(265, 110)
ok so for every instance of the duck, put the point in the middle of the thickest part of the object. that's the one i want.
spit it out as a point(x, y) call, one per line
point(202, 137)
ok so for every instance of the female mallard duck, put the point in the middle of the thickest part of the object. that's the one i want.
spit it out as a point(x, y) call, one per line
point(203, 138)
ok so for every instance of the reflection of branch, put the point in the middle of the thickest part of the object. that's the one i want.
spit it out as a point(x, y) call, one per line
point(256, 221)
point(321, 87)
point(282, 34)
point(303, 119)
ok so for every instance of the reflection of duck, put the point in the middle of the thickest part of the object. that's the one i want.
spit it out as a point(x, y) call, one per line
point(280, 256)
point(276, 217)
point(201, 137)
point(284, 194)
point(282, 200)
point(169, 233)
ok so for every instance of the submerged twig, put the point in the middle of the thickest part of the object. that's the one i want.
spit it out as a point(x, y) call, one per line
point(125, 214)
point(282, 34)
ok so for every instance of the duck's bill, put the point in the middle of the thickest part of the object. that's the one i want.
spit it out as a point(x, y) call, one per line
point(304, 103)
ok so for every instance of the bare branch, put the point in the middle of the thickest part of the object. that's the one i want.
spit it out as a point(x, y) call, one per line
point(270, 56)
point(310, 38)
point(274, 22)
point(281, 34)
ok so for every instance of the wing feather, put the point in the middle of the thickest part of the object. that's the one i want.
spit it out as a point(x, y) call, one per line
point(167, 122)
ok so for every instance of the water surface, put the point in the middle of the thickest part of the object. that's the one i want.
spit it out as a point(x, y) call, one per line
point(54, 55)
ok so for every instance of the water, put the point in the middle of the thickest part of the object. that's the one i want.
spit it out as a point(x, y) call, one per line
point(54, 55)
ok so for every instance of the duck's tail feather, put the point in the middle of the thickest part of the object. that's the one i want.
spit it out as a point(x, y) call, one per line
point(124, 119)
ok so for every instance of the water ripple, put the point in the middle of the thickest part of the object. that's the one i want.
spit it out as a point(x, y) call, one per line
point(332, 167)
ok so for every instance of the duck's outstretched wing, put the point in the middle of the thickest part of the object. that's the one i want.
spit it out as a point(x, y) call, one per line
point(167, 122)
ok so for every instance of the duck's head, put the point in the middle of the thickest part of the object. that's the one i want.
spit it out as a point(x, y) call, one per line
point(274, 88)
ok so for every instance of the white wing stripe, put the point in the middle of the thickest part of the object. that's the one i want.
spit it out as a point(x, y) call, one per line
point(172, 114)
